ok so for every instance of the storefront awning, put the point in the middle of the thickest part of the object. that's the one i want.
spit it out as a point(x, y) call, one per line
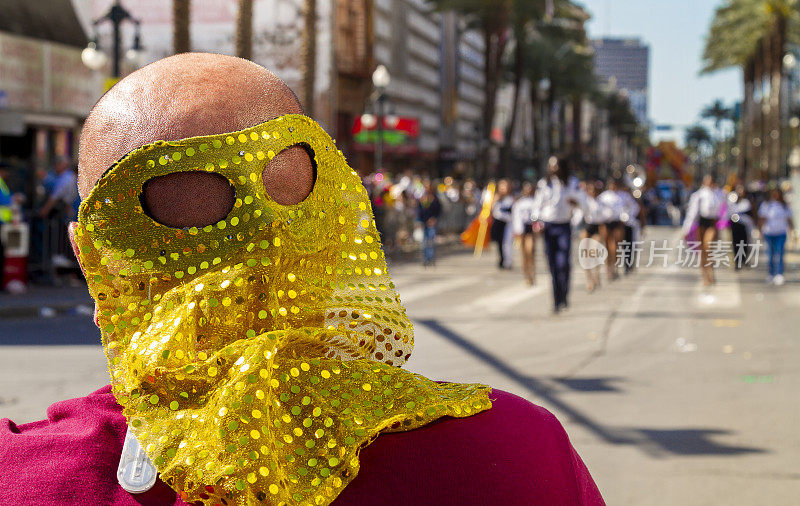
point(51, 20)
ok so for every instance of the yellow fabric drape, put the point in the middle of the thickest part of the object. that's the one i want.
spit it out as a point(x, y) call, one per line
point(256, 356)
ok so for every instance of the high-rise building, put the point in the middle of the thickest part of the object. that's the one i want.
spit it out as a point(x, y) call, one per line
point(625, 64)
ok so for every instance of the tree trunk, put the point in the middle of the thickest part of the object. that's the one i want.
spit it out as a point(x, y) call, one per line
point(309, 56)
point(181, 41)
point(577, 128)
point(495, 41)
point(776, 102)
point(758, 142)
point(244, 30)
point(536, 118)
point(505, 158)
point(746, 122)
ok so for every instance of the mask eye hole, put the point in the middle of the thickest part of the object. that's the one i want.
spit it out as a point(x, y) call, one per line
point(188, 199)
point(291, 174)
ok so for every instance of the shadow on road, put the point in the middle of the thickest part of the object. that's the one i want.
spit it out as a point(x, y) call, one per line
point(58, 331)
point(686, 442)
point(590, 384)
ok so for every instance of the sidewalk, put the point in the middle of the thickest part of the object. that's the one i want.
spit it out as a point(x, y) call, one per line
point(46, 302)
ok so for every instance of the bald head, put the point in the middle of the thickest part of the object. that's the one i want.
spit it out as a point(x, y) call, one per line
point(188, 95)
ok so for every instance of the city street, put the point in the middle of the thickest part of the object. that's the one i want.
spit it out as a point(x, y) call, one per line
point(670, 394)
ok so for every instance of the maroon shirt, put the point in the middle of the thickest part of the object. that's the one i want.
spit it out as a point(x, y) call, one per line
point(513, 454)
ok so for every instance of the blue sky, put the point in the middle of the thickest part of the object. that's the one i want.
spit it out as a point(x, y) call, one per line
point(675, 31)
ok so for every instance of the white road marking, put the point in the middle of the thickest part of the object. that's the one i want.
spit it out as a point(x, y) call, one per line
point(724, 294)
point(420, 290)
point(504, 299)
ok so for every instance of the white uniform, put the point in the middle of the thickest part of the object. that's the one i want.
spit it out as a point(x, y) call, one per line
point(522, 214)
point(614, 204)
point(705, 203)
point(552, 201)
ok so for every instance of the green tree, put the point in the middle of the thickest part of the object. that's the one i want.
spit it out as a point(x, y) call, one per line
point(752, 35)
point(697, 136)
point(492, 18)
point(717, 112)
point(558, 62)
point(550, 43)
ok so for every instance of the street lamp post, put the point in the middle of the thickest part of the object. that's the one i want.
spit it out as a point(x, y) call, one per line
point(380, 79)
point(95, 59)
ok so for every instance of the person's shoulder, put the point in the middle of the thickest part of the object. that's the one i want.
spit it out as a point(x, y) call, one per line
point(73, 454)
point(514, 453)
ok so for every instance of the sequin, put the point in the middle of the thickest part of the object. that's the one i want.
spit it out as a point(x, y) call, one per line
point(254, 357)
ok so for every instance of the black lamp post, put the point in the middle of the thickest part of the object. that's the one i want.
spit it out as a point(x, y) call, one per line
point(94, 58)
point(380, 79)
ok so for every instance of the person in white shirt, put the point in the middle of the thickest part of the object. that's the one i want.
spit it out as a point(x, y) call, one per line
point(501, 216)
point(526, 230)
point(775, 219)
point(739, 210)
point(595, 216)
point(633, 223)
point(705, 207)
point(554, 203)
point(613, 201)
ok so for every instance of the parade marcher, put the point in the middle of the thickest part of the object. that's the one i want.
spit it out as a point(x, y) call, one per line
point(429, 208)
point(633, 219)
point(526, 230)
point(252, 332)
point(611, 199)
point(554, 203)
point(595, 217)
point(501, 216)
point(775, 220)
point(739, 216)
point(704, 208)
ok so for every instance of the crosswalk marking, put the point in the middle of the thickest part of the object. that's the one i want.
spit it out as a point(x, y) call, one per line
point(421, 289)
point(724, 294)
point(504, 299)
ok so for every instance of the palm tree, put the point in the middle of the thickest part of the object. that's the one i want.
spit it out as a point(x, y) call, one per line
point(540, 27)
point(181, 42)
point(244, 30)
point(492, 19)
point(717, 112)
point(309, 55)
point(697, 136)
point(752, 35)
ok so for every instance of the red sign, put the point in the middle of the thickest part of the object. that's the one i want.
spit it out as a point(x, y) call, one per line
point(400, 133)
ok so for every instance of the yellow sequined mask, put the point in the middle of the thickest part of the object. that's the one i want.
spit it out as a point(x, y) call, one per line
point(256, 356)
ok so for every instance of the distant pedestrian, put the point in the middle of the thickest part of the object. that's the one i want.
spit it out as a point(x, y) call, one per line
point(739, 216)
point(633, 220)
point(555, 201)
point(775, 219)
point(595, 216)
point(615, 211)
point(705, 206)
point(57, 212)
point(526, 230)
point(429, 209)
point(501, 216)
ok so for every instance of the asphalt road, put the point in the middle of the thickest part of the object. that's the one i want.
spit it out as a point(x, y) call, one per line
point(672, 394)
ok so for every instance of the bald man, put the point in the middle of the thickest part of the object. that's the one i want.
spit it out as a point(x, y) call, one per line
point(513, 453)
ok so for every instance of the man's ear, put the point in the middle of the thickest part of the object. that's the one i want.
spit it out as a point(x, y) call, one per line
point(76, 251)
